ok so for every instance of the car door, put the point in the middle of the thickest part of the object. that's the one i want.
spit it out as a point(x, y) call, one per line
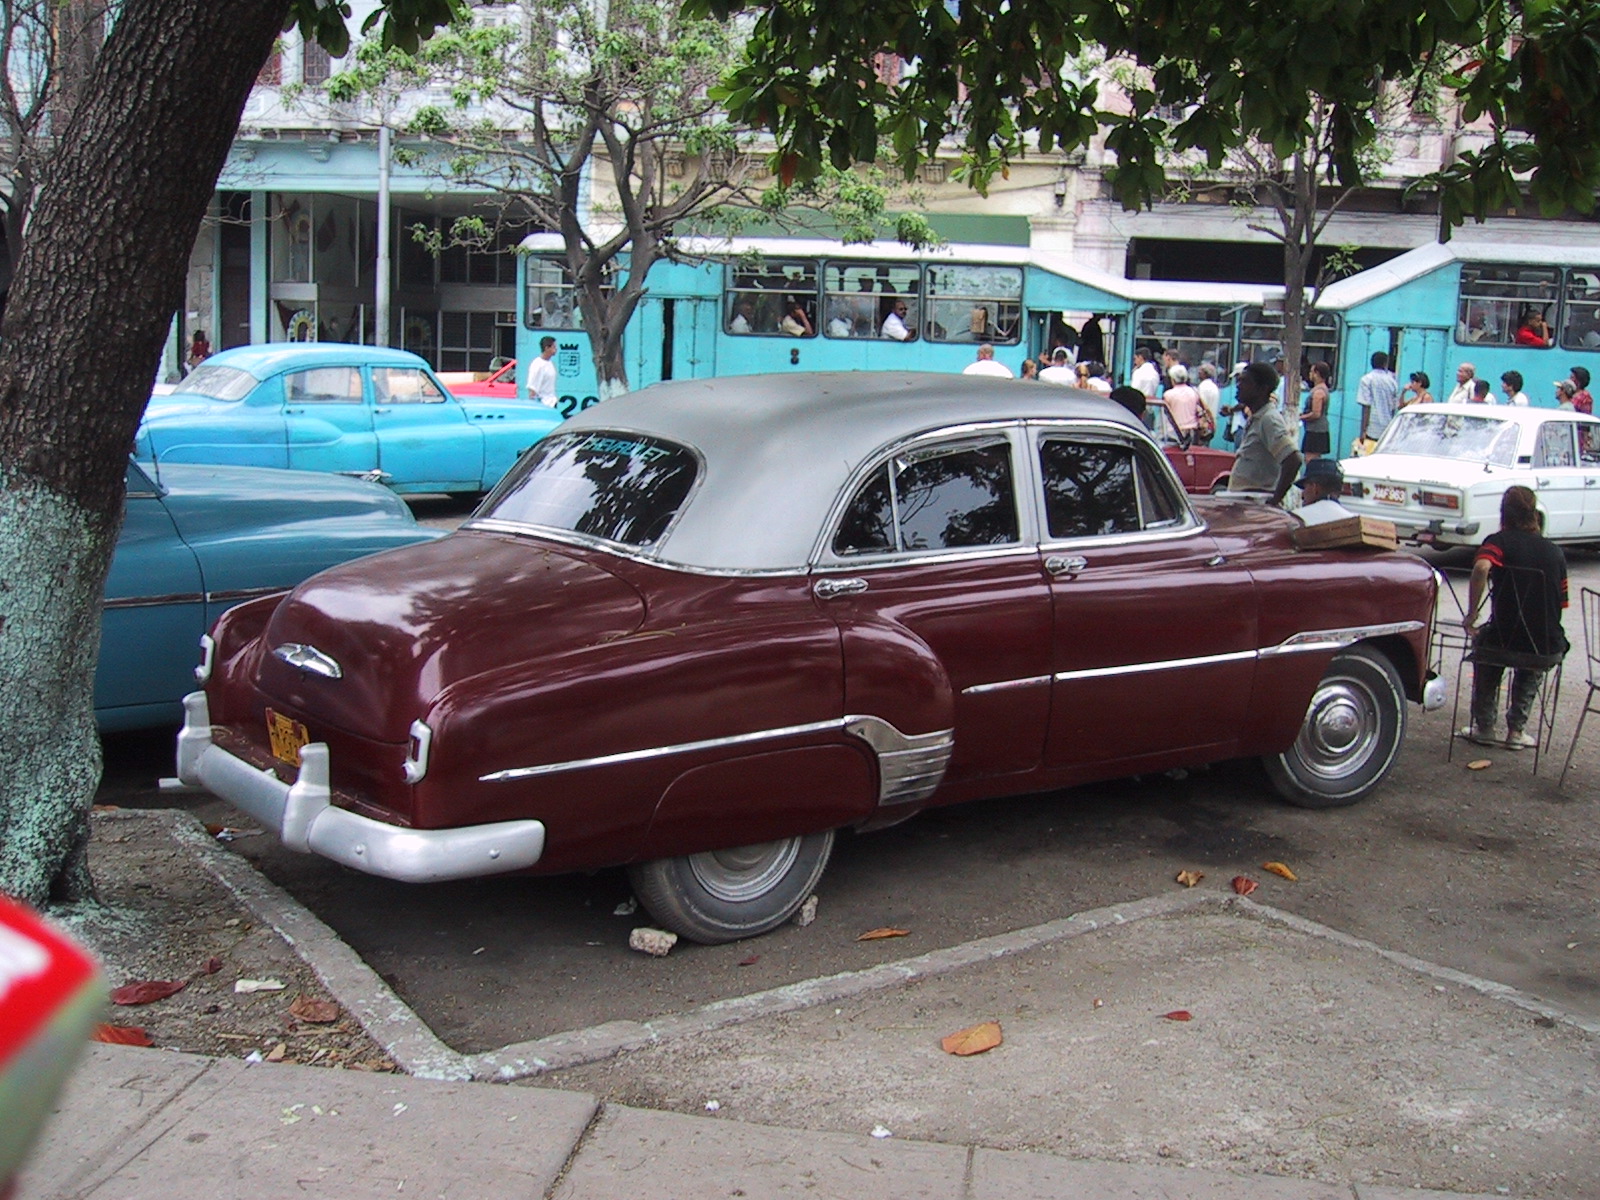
point(154, 611)
point(1559, 479)
point(328, 420)
point(425, 442)
point(932, 576)
point(1154, 628)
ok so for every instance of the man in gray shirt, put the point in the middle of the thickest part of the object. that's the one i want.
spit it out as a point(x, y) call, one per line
point(1378, 395)
point(1268, 459)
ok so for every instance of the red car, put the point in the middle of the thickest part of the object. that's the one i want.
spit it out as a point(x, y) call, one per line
point(1202, 470)
point(502, 384)
point(702, 627)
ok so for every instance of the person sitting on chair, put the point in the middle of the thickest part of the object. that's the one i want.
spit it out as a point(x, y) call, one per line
point(1526, 577)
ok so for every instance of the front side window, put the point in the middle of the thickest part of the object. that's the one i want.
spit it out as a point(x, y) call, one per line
point(1502, 305)
point(972, 303)
point(1095, 489)
point(404, 385)
point(939, 498)
point(621, 487)
point(778, 298)
point(218, 382)
point(323, 385)
point(872, 300)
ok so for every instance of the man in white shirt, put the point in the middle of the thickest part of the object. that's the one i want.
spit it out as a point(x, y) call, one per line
point(986, 365)
point(542, 373)
point(894, 325)
point(1145, 375)
point(1511, 385)
point(1060, 369)
point(1462, 394)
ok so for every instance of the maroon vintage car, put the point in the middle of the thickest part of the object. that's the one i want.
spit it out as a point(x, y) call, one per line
point(702, 627)
point(1201, 469)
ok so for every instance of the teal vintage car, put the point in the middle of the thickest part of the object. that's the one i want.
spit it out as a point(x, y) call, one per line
point(368, 411)
point(196, 540)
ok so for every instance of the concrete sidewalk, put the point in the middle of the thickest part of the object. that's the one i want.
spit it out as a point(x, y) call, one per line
point(164, 1126)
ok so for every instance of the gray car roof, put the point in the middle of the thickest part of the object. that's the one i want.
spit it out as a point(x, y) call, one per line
point(779, 448)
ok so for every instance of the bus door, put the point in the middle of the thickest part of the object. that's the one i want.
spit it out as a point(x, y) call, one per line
point(1428, 351)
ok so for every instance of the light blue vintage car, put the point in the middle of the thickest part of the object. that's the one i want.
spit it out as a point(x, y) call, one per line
point(196, 540)
point(354, 410)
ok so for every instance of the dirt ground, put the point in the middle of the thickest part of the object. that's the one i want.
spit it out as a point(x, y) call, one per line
point(163, 917)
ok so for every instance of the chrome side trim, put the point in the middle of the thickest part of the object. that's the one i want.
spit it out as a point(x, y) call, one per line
point(979, 689)
point(233, 596)
point(911, 766)
point(606, 760)
point(1171, 664)
point(1336, 639)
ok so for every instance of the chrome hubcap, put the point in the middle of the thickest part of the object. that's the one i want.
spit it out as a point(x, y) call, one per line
point(1341, 729)
point(744, 872)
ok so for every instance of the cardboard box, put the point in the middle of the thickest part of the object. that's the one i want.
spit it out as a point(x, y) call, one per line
point(1352, 531)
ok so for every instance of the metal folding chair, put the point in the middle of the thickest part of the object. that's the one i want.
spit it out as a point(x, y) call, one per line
point(1590, 600)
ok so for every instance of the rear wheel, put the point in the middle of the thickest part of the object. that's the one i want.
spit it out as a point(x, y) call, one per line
point(1350, 736)
point(723, 895)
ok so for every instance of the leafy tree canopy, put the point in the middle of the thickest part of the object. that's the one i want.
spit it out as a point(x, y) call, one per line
point(1004, 77)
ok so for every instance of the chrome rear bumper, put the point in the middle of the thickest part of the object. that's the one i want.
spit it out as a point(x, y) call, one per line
point(304, 819)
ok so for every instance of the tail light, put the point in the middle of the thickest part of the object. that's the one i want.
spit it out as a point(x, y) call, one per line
point(1449, 500)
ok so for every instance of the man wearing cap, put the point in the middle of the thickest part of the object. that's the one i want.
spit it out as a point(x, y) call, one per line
point(1268, 458)
point(1320, 489)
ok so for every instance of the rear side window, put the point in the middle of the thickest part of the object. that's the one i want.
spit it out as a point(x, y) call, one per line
point(323, 385)
point(616, 486)
point(218, 382)
point(939, 498)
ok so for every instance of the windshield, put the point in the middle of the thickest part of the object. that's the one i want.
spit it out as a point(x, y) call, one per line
point(622, 487)
point(1483, 439)
point(218, 382)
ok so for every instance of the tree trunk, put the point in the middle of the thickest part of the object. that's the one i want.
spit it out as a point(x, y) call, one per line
point(93, 295)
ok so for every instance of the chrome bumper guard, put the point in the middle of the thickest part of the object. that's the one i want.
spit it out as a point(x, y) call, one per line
point(303, 817)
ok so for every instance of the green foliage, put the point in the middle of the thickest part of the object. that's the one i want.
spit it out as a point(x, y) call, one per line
point(1002, 77)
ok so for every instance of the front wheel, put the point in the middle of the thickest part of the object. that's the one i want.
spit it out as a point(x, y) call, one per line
point(723, 895)
point(1350, 736)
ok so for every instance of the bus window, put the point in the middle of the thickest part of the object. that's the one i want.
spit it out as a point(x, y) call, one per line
point(1198, 333)
point(552, 303)
point(762, 298)
point(971, 303)
point(1495, 298)
point(1581, 329)
point(1262, 337)
point(872, 300)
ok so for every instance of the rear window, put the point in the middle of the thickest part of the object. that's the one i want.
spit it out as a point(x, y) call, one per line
point(218, 382)
point(1451, 435)
point(617, 486)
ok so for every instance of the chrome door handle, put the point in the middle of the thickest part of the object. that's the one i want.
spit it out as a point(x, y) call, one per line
point(1065, 564)
point(1590, 482)
point(1216, 560)
point(827, 589)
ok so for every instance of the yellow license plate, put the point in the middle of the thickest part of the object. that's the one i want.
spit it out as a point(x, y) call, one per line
point(287, 737)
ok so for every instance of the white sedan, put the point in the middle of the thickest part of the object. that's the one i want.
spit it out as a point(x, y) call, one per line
point(1440, 471)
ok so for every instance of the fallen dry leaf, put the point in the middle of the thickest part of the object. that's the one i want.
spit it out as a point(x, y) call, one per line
point(1178, 1014)
point(1190, 878)
point(121, 1035)
point(277, 1052)
point(313, 1011)
point(147, 991)
point(751, 961)
point(1277, 868)
point(973, 1041)
point(873, 935)
point(1480, 764)
point(211, 965)
point(245, 987)
point(1244, 885)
